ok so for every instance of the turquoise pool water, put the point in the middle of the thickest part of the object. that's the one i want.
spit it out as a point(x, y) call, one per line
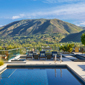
point(38, 77)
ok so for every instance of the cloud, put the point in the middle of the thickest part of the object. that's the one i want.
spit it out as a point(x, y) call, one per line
point(50, 1)
point(65, 12)
point(77, 24)
point(1, 25)
point(61, 1)
point(83, 23)
point(15, 17)
point(80, 23)
point(74, 11)
point(19, 16)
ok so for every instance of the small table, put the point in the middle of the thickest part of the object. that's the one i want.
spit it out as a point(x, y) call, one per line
point(36, 56)
point(48, 56)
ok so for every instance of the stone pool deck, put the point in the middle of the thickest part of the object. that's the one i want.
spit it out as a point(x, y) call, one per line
point(78, 67)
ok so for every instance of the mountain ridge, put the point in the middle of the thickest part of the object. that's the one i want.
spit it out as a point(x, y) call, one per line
point(38, 26)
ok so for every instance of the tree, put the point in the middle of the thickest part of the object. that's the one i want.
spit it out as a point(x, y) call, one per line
point(83, 38)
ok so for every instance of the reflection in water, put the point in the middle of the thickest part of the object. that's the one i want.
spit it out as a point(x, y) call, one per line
point(61, 72)
point(55, 73)
point(0, 76)
point(36, 76)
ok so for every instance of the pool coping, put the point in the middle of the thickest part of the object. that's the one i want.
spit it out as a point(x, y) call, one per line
point(2, 68)
point(50, 66)
point(76, 75)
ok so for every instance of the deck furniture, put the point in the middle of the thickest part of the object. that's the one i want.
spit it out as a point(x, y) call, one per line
point(36, 56)
point(55, 53)
point(42, 54)
point(48, 56)
point(30, 55)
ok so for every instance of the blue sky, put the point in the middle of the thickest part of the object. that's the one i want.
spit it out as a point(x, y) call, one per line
point(72, 11)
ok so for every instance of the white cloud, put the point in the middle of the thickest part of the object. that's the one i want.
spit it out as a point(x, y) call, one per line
point(22, 15)
point(50, 1)
point(15, 17)
point(77, 24)
point(83, 23)
point(1, 25)
point(60, 1)
point(74, 11)
point(80, 23)
point(65, 12)
point(19, 16)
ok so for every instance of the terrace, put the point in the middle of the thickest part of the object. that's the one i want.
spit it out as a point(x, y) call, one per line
point(75, 64)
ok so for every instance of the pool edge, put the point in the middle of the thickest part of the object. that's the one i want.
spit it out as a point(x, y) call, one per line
point(50, 66)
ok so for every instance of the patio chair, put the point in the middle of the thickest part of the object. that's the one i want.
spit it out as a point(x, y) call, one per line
point(42, 54)
point(55, 53)
point(30, 55)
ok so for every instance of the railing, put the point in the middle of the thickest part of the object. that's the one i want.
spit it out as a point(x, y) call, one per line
point(9, 54)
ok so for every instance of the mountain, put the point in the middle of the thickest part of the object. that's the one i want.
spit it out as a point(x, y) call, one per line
point(83, 28)
point(75, 37)
point(38, 26)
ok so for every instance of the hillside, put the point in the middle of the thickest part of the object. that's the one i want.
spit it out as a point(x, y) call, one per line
point(75, 37)
point(83, 28)
point(38, 26)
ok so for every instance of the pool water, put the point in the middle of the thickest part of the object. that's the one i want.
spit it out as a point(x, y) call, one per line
point(38, 77)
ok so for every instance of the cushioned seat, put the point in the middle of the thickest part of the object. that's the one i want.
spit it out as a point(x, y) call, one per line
point(42, 54)
point(55, 53)
point(30, 55)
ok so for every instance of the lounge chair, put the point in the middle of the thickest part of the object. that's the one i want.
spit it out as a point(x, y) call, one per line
point(30, 55)
point(55, 53)
point(42, 54)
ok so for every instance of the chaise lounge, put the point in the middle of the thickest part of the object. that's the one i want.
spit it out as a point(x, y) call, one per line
point(42, 54)
point(30, 55)
point(55, 53)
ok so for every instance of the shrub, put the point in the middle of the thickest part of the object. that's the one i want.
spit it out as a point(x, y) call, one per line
point(67, 48)
point(1, 62)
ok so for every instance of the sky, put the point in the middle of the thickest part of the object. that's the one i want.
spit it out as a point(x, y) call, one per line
point(72, 11)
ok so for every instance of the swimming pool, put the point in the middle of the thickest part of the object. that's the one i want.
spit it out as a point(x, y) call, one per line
point(38, 76)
